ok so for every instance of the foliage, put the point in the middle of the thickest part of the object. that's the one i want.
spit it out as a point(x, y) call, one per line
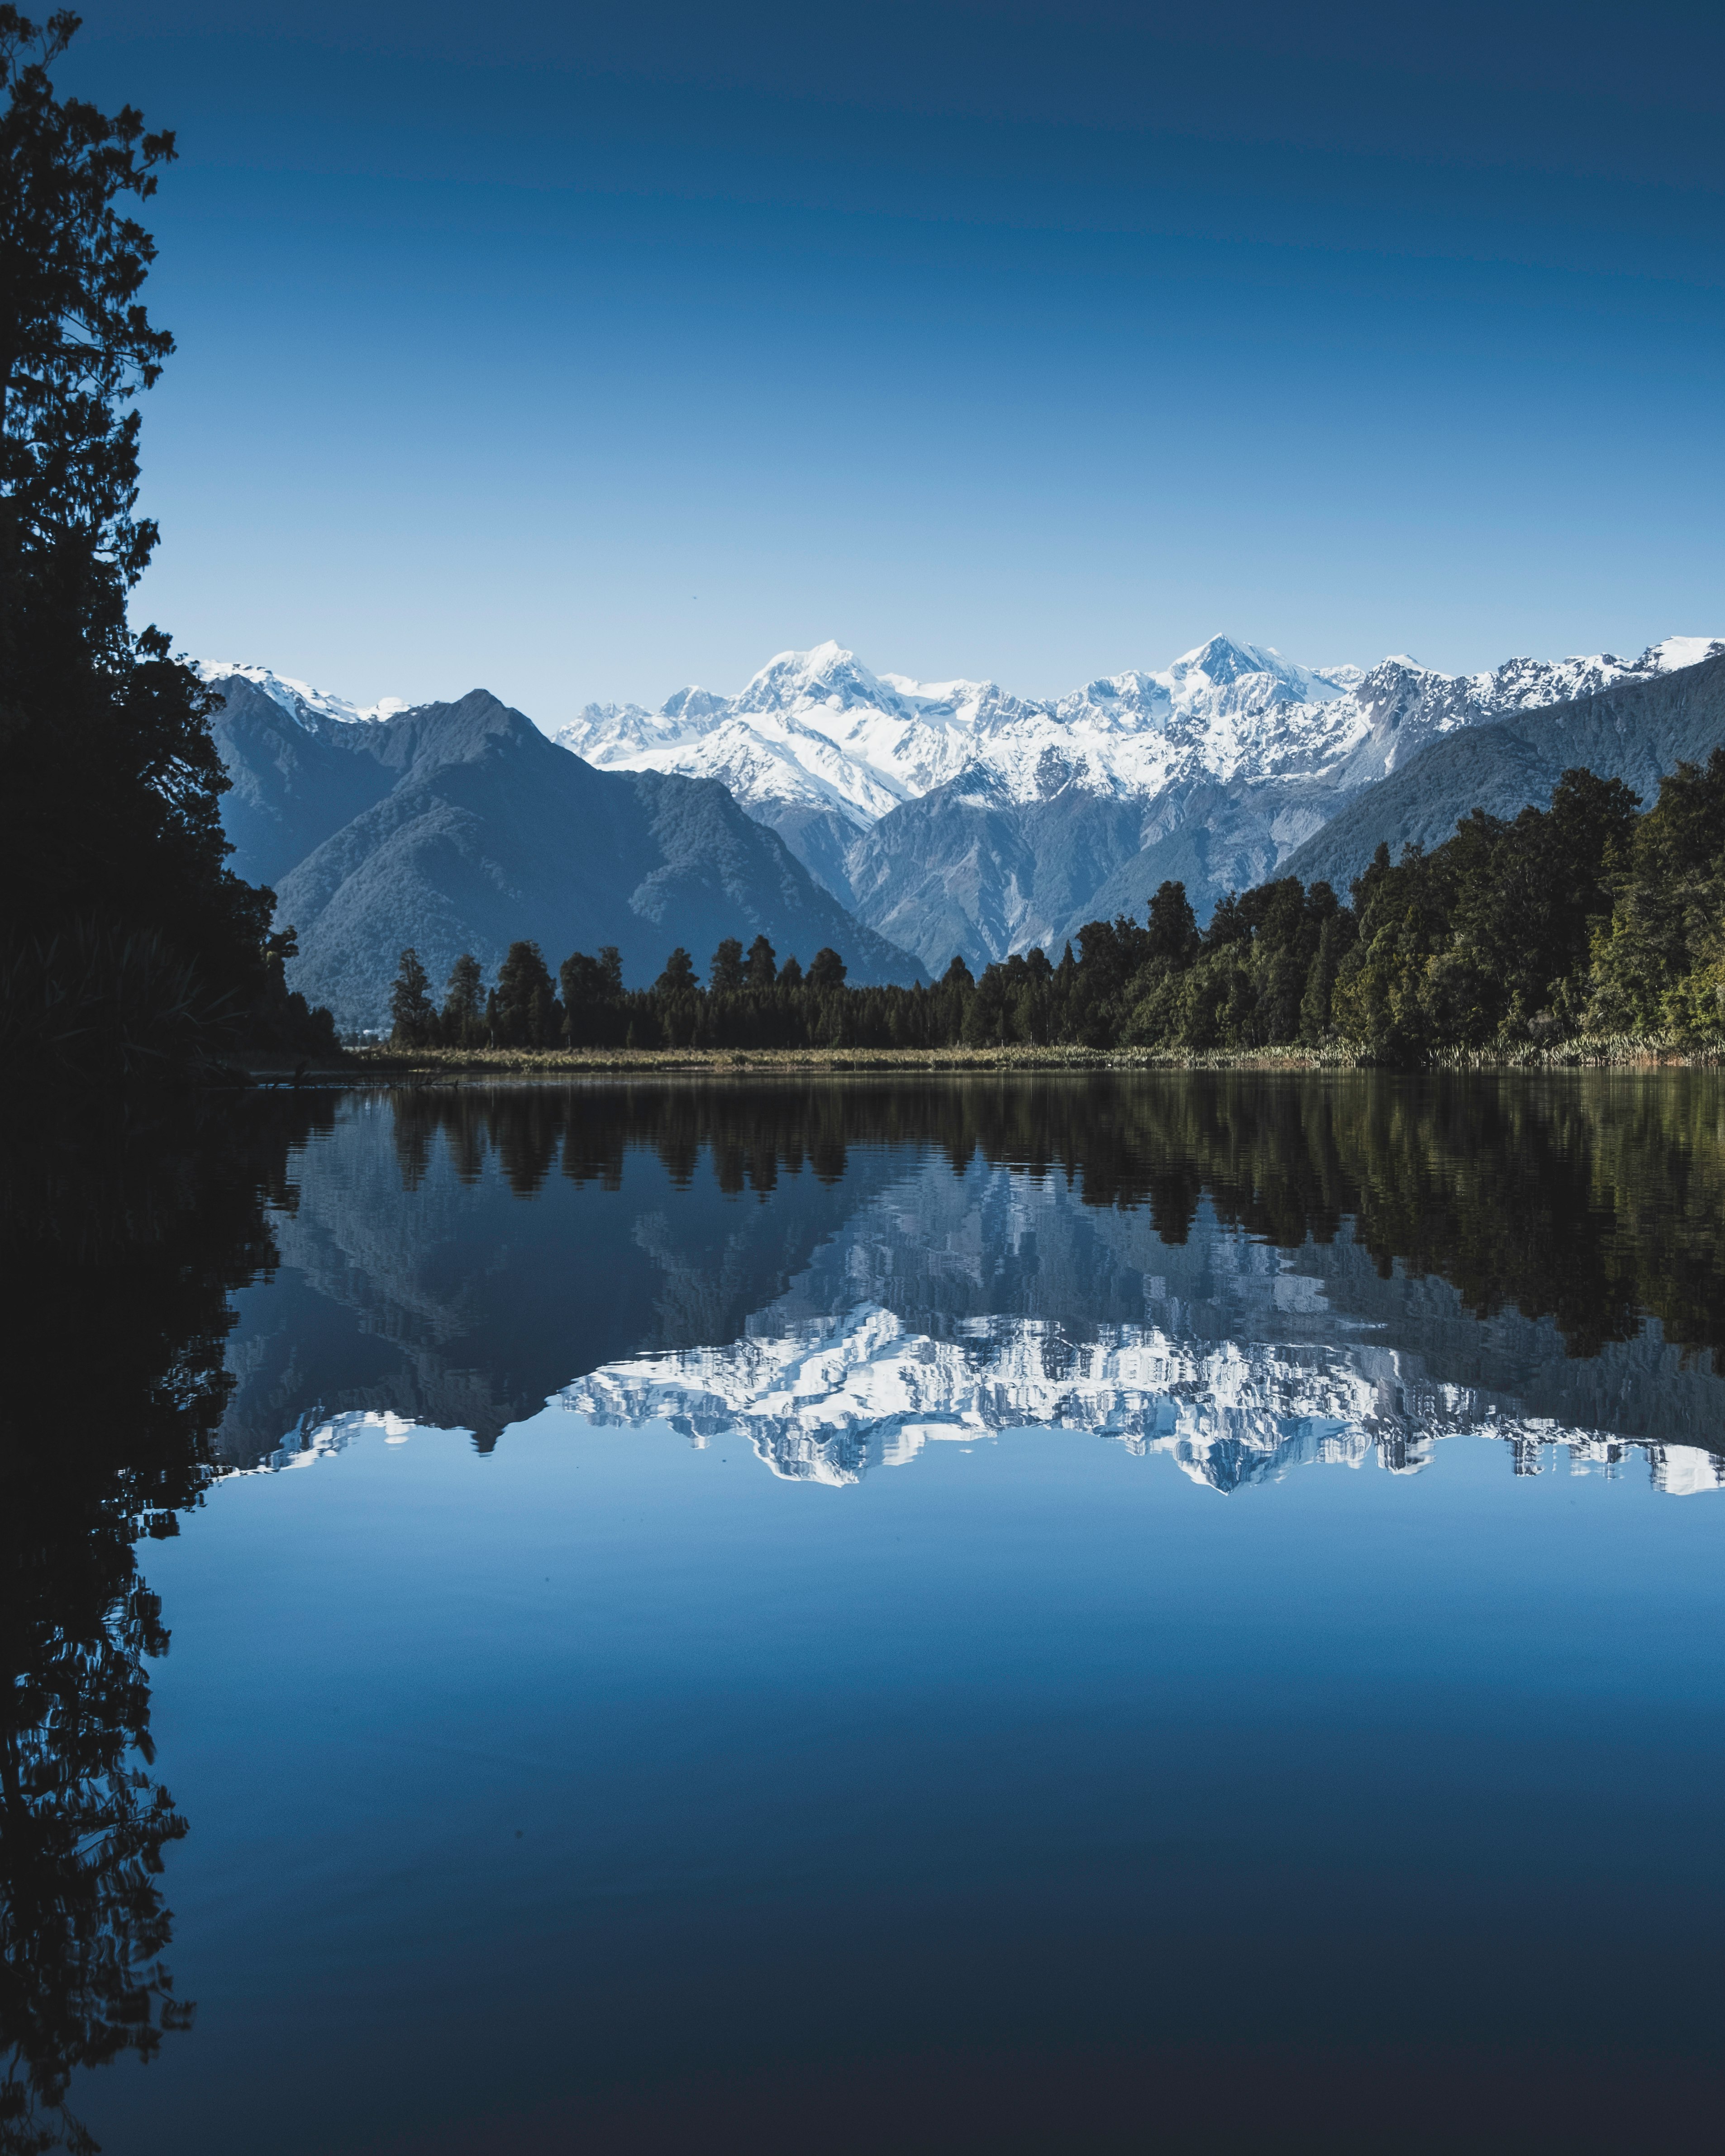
point(110, 780)
point(413, 1016)
point(1659, 961)
point(461, 1020)
point(1512, 934)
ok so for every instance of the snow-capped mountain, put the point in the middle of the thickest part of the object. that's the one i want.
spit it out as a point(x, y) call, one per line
point(955, 816)
point(818, 730)
point(306, 705)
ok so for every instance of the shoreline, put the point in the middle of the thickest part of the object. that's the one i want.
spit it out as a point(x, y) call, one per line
point(420, 1066)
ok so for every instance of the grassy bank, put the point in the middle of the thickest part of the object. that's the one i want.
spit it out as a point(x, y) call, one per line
point(384, 1065)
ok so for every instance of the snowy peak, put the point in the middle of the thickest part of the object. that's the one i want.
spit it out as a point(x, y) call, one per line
point(828, 677)
point(1677, 652)
point(819, 730)
point(820, 734)
point(306, 706)
point(1258, 676)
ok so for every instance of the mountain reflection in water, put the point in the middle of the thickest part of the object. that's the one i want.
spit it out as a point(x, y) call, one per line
point(1247, 1274)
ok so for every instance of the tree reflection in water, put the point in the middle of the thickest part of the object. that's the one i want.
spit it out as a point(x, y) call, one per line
point(127, 1233)
point(1594, 1202)
point(1593, 1199)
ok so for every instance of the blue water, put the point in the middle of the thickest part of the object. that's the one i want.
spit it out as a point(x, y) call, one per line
point(946, 1667)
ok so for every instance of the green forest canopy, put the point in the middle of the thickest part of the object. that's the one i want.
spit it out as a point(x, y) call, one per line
point(1584, 918)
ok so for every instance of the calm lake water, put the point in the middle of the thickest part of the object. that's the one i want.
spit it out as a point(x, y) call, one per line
point(1164, 1613)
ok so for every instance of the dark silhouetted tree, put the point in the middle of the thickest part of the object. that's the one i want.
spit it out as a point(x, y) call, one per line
point(724, 975)
point(110, 781)
point(595, 1013)
point(413, 1018)
point(464, 1002)
point(760, 971)
point(528, 1013)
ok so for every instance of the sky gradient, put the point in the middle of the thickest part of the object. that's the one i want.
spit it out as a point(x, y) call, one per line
point(581, 352)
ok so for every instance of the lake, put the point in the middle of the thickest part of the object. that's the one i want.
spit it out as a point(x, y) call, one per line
point(1162, 1612)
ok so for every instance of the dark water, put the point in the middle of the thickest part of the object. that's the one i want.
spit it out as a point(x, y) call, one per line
point(1169, 1613)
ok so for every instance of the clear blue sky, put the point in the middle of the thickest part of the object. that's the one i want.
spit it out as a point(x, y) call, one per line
point(581, 351)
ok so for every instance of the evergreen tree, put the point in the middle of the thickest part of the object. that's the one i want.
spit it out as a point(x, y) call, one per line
point(760, 972)
point(413, 1018)
point(1173, 926)
point(110, 780)
point(1659, 962)
point(594, 1014)
point(826, 969)
point(528, 1014)
point(464, 1002)
point(725, 976)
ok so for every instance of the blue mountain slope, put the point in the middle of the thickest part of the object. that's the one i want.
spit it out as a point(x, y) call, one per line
point(459, 827)
point(1636, 732)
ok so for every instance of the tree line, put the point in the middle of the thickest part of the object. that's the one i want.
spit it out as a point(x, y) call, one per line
point(1586, 918)
point(1589, 1202)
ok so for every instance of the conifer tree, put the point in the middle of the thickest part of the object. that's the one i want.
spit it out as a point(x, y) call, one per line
point(760, 972)
point(464, 1002)
point(413, 1018)
point(110, 780)
point(724, 975)
point(528, 1015)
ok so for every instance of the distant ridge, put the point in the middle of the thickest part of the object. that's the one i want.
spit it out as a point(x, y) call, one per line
point(956, 816)
point(899, 822)
point(460, 827)
point(1635, 731)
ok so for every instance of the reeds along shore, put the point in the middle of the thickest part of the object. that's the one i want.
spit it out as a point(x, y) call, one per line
point(432, 1064)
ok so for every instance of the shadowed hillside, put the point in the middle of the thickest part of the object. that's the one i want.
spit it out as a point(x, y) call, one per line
point(1637, 731)
point(460, 827)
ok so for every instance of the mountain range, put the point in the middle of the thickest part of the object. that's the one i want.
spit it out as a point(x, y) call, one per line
point(461, 827)
point(1636, 729)
point(898, 821)
point(955, 816)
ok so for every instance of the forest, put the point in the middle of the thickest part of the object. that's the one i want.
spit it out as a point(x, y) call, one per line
point(1586, 919)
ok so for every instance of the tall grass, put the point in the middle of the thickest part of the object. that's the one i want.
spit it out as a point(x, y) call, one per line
point(101, 1004)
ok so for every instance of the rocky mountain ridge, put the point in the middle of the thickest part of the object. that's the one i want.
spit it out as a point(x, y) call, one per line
point(817, 729)
point(461, 827)
point(956, 816)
